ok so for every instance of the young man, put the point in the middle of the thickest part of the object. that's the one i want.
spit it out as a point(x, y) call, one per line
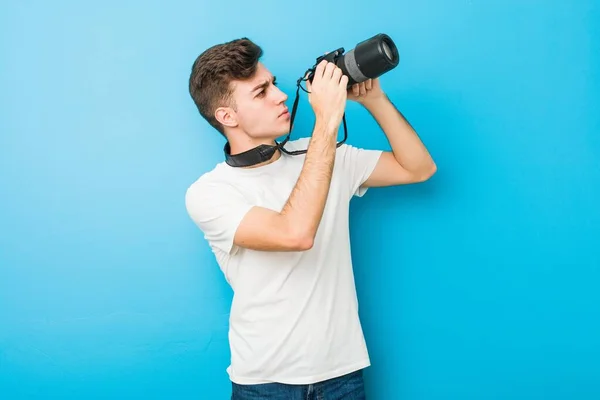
point(279, 229)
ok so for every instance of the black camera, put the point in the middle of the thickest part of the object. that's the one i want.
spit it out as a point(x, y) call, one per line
point(370, 59)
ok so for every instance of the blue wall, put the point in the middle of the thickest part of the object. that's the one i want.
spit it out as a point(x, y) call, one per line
point(480, 284)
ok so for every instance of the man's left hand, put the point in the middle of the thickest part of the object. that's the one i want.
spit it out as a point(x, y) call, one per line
point(365, 92)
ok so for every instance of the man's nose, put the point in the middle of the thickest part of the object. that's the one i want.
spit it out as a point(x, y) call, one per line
point(282, 96)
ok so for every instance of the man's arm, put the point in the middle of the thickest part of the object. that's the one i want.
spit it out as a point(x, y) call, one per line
point(409, 161)
point(295, 227)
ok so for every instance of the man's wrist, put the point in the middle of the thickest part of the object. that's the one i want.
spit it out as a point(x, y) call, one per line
point(374, 101)
point(326, 126)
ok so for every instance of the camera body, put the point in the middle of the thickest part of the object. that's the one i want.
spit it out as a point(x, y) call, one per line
point(370, 59)
point(333, 56)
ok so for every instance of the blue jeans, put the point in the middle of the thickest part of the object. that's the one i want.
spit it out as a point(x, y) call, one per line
point(347, 387)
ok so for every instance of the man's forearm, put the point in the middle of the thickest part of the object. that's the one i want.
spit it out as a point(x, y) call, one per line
point(408, 149)
point(304, 208)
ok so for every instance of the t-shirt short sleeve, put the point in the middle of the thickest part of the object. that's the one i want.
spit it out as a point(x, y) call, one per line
point(217, 209)
point(358, 164)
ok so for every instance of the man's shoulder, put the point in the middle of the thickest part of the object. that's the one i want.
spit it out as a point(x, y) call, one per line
point(224, 178)
point(210, 182)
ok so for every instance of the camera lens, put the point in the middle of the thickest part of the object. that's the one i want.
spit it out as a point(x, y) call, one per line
point(370, 59)
point(386, 49)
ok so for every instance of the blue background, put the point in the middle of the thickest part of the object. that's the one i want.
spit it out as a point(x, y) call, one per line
point(481, 283)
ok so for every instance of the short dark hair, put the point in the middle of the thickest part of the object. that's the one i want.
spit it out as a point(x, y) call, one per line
point(213, 71)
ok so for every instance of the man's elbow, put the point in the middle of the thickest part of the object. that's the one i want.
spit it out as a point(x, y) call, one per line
point(426, 172)
point(304, 243)
point(299, 239)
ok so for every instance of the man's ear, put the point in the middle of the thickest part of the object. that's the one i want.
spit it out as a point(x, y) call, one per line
point(226, 116)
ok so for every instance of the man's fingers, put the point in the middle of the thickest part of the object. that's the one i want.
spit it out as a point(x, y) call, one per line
point(320, 69)
point(337, 73)
point(329, 70)
point(344, 81)
point(363, 89)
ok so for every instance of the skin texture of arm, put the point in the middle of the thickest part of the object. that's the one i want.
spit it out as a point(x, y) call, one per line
point(294, 228)
point(409, 161)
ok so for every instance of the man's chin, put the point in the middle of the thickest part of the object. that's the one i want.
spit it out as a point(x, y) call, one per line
point(281, 134)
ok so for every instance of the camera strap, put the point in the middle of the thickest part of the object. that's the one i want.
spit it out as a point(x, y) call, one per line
point(265, 152)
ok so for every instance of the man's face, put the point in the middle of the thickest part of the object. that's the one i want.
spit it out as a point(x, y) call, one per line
point(261, 112)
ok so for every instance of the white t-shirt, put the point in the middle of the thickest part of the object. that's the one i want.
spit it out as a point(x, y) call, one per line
point(294, 316)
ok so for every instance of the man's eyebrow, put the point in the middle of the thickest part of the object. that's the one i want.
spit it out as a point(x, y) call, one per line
point(262, 85)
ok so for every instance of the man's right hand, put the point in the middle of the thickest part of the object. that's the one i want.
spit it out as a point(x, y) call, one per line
point(328, 94)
